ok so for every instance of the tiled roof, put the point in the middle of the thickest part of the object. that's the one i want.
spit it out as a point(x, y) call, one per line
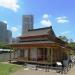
point(34, 42)
point(35, 32)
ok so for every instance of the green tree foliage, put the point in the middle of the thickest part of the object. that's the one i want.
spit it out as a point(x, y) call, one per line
point(4, 46)
point(64, 38)
point(72, 45)
point(70, 42)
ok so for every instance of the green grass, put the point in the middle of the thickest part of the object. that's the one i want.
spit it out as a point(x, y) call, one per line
point(6, 69)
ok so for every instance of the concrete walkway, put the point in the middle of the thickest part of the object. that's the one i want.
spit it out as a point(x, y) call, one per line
point(27, 71)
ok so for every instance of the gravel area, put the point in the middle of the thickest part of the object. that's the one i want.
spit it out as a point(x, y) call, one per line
point(27, 71)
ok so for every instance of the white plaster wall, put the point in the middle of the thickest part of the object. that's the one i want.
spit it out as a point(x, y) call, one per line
point(17, 53)
point(33, 53)
point(26, 53)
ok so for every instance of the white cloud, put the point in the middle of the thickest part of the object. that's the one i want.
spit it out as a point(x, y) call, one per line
point(66, 32)
point(46, 23)
point(14, 29)
point(5, 21)
point(45, 20)
point(62, 19)
point(10, 4)
point(45, 16)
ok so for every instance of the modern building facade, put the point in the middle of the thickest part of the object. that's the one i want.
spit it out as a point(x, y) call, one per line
point(3, 28)
point(27, 23)
point(9, 36)
point(5, 35)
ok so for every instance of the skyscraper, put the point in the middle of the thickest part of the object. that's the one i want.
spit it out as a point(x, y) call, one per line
point(5, 35)
point(27, 23)
point(9, 36)
point(3, 28)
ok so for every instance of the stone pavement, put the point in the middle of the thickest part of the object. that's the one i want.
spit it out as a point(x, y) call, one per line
point(27, 71)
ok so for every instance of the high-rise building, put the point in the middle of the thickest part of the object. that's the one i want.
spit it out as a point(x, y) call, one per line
point(27, 23)
point(9, 36)
point(5, 35)
point(3, 28)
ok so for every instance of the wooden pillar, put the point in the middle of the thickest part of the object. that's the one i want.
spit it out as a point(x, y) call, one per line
point(44, 54)
point(10, 57)
point(14, 53)
point(28, 54)
point(50, 55)
point(69, 54)
point(37, 55)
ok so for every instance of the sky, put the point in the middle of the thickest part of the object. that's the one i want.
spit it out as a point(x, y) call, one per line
point(60, 14)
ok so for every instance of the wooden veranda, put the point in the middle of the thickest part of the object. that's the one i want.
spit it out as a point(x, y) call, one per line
point(45, 53)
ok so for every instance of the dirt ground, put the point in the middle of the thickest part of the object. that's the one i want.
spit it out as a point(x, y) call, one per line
point(27, 71)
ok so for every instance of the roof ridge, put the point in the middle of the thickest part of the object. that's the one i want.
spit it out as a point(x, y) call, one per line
point(41, 28)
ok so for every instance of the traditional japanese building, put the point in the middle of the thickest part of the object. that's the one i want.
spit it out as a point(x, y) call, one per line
point(39, 46)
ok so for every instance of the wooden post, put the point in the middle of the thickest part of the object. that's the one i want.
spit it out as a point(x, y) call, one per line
point(37, 55)
point(43, 53)
point(28, 54)
point(51, 56)
point(14, 54)
point(69, 54)
point(48, 55)
point(10, 56)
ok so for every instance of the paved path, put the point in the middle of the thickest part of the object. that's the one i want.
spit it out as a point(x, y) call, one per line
point(27, 71)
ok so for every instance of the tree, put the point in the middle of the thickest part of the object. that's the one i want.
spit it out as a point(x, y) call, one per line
point(72, 45)
point(70, 40)
point(64, 38)
point(4, 46)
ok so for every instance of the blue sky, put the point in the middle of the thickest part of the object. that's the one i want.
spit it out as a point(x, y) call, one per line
point(56, 13)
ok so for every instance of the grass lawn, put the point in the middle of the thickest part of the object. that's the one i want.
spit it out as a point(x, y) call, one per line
point(6, 69)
